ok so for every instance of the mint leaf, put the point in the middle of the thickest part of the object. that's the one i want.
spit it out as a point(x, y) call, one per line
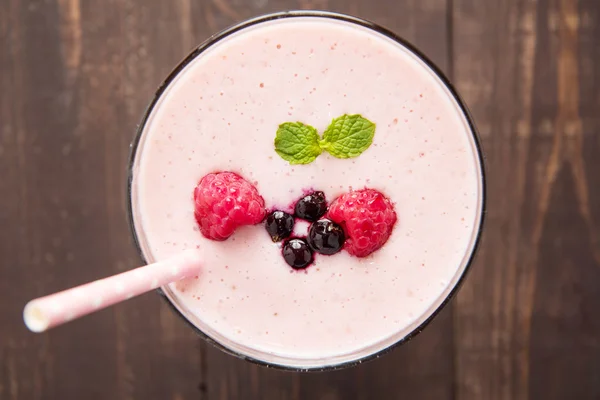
point(297, 143)
point(348, 136)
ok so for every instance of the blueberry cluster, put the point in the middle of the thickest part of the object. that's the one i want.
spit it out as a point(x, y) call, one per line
point(324, 236)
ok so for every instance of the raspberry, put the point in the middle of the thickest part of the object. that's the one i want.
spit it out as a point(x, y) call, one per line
point(367, 217)
point(223, 201)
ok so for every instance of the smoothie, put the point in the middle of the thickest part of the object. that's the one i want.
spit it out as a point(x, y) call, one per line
point(221, 112)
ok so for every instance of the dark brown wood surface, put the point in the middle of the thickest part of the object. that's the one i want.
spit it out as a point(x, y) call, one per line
point(75, 77)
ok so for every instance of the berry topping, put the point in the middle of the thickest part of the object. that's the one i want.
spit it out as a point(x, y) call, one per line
point(280, 225)
point(326, 237)
point(223, 201)
point(297, 253)
point(367, 217)
point(311, 207)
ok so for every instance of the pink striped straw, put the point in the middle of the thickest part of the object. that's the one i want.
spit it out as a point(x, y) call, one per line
point(49, 311)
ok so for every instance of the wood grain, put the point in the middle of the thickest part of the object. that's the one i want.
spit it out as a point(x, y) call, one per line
point(78, 75)
point(75, 78)
point(524, 321)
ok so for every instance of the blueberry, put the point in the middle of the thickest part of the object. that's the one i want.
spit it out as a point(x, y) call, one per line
point(279, 225)
point(326, 237)
point(297, 253)
point(311, 207)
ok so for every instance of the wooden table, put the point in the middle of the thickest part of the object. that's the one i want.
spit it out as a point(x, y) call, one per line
point(75, 77)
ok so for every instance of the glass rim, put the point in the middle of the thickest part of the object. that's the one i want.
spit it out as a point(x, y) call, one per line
point(213, 39)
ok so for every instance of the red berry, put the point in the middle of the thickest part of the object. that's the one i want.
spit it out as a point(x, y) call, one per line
point(223, 201)
point(367, 217)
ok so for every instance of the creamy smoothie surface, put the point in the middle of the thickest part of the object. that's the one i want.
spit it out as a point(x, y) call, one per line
point(221, 113)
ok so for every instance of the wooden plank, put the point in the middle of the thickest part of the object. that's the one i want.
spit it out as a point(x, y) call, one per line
point(75, 81)
point(525, 325)
point(564, 321)
point(43, 195)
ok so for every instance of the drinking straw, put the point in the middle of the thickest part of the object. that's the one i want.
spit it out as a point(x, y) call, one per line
point(49, 311)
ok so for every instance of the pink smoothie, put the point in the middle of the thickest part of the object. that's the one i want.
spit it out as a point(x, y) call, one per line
point(221, 113)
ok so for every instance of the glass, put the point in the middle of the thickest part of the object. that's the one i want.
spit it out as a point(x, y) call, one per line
point(282, 362)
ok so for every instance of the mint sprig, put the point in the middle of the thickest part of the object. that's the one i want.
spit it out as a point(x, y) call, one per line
point(347, 136)
point(297, 143)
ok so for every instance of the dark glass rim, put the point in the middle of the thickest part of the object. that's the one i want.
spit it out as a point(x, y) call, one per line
point(345, 18)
